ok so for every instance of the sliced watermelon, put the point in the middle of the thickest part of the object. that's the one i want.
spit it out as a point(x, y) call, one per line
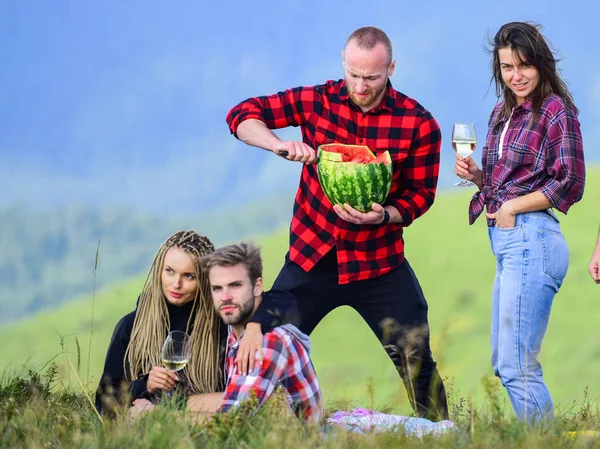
point(349, 152)
point(358, 179)
point(383, 158)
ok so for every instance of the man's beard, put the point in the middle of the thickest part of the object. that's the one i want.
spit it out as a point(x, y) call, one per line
point(243, 312)
point(370, 100)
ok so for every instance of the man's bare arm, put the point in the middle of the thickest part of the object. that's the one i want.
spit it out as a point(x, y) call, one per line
point(207, 403)
point(594, 266)
point(255, 132)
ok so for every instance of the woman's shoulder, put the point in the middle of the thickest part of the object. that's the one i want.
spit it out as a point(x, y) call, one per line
point(498, 107)
point(495, 114)
point(125, 325)
point(554, 104)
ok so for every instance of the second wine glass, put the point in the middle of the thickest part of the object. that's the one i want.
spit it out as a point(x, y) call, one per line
point(464, 140)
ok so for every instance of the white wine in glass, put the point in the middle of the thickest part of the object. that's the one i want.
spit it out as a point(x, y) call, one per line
point(176, 351)
point(174, 365)
point(464, 140)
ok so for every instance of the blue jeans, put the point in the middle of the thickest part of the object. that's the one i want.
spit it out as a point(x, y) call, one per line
point(532, 261)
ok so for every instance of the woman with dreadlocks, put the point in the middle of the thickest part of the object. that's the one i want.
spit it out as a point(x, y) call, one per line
point(176, 296)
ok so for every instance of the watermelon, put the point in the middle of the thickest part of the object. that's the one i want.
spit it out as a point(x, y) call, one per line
point(352, 174)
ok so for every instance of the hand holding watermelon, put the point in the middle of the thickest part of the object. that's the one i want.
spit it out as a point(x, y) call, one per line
point(348, 213)
point(294, 150)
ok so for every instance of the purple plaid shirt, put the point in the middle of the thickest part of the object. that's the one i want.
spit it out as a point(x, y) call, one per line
point(546, 156)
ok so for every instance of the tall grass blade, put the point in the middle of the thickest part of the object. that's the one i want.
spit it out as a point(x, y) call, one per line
point(92, 322)
point(83, 389)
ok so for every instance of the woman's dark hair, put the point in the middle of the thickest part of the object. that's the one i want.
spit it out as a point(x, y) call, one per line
point(527, 43)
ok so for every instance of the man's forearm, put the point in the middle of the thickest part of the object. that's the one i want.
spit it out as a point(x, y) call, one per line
point(207, 403)
point(277, 307)
point(254, 132)
point(594, 266)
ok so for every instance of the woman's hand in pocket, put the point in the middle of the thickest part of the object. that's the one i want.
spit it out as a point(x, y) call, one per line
point(505, 216)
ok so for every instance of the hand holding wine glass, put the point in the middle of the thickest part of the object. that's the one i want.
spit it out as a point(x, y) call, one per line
point(160, 378)
point(463, 141)
point(174, 355)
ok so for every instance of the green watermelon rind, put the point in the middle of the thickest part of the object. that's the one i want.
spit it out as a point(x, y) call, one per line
point(329, 156)
point(359, 185)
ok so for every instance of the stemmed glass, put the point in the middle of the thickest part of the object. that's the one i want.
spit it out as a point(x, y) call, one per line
point(464, 140)
point(176, 351)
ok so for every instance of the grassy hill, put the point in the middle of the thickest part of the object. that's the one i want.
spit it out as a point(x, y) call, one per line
point(455, 267)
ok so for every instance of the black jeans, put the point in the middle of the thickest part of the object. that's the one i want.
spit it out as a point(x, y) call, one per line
point(394, 307)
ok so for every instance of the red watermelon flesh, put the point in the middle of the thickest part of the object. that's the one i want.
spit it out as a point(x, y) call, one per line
point(351, 153)
point(383, 158)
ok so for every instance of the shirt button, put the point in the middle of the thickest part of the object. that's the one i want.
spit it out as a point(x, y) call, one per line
point(360, 141)
point(328, 140)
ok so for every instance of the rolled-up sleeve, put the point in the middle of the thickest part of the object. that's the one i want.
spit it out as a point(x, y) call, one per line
point(420, 172)
point(280, 110)
point(565, 162)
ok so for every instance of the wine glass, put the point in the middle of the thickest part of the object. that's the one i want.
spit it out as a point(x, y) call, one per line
point(176, 352)
point(463, 142)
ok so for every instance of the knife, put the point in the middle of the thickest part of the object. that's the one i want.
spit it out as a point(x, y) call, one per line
point(285, 153)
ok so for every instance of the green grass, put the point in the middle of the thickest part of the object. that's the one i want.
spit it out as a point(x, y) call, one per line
point(455, 267)
point(35, 412)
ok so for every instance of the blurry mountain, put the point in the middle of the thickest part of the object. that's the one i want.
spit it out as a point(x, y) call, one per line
point(49, 257)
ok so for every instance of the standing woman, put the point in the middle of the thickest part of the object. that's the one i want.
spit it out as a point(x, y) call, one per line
point(176, 296)
point(532, 162)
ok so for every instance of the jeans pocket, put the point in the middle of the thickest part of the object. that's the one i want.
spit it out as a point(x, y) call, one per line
point(555, 253)
point(514, 228)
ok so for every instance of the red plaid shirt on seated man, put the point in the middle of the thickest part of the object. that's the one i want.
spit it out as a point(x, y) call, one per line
point(286, 364)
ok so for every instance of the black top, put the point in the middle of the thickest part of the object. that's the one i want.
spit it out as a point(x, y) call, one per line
point(278, 307)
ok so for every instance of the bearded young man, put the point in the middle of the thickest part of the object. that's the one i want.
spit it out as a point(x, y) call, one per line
point(338, 255)
point(235, 275)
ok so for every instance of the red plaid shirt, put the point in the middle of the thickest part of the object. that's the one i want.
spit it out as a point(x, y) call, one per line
point(326, 114)
point(286, 364)
point(547, 156)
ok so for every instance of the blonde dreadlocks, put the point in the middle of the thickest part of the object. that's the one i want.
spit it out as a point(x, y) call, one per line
point(152, 322)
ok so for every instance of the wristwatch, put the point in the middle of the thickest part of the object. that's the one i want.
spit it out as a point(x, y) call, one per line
point(386, 217)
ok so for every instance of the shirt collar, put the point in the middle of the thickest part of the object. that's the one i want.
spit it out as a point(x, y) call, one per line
point(387, 102)
point(233, 340)
point(517, 111)
point(524, 108)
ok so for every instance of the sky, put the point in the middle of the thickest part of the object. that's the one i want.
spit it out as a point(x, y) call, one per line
point(123, 103)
